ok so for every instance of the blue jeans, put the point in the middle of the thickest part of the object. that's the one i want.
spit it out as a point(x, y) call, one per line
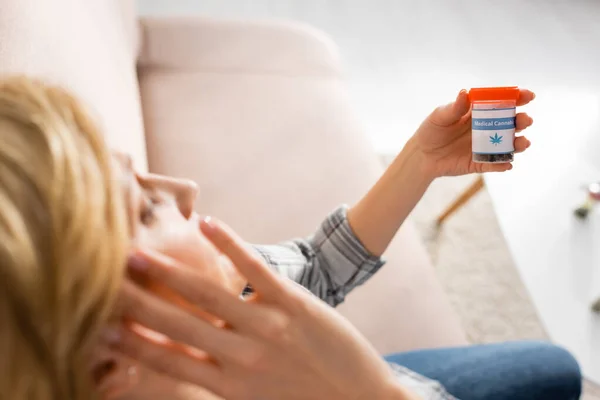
point(505, 371)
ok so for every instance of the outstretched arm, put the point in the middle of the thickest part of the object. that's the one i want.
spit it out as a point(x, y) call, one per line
point(440, 147)
point(346, 248)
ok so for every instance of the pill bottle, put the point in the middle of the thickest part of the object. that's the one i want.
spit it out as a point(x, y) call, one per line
point(493, 123)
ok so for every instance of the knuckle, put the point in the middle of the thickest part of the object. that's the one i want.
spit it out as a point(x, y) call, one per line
point(207, 299)
point(275, 325)
point(189, 184)
point(252, 357)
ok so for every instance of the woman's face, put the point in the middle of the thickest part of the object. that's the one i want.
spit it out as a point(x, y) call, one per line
point(161, 217)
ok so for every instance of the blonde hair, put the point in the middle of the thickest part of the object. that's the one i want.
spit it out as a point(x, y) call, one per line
point(63, 241)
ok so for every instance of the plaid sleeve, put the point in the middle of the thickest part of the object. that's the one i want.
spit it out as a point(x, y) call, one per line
point(330, 263)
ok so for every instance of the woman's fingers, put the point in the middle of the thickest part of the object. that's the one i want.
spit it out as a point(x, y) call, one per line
point(523, 121)
point(113, 373)
point(165, 358)
point(525, 97)
point(187, 283)
point(203, 293)
point(178, 325)
point(500, 167)
point(265, 282)
point(521, 144)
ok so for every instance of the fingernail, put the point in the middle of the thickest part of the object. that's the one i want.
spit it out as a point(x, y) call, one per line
point(111, 335)
point(533, 96)
point(530, 120)
point(209, 224)
point(137, 263)
point(528, 144)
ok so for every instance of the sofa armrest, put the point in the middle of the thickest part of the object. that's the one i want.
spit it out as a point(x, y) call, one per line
point(263, 47)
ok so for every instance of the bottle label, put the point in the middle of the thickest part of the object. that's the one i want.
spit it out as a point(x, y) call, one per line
point(493, 130)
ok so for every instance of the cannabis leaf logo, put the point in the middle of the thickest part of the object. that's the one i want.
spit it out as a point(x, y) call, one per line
point(496, 140)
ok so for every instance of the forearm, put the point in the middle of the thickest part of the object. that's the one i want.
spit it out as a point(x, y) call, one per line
point(376, 218)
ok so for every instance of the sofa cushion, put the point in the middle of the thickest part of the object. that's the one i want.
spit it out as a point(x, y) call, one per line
point(87, 46)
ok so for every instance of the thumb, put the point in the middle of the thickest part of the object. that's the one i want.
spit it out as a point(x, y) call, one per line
point(451, 113)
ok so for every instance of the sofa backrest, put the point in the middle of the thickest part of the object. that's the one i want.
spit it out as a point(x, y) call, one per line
point(87, 46)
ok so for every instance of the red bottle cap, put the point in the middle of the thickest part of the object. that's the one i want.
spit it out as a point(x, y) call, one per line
point(494, 93)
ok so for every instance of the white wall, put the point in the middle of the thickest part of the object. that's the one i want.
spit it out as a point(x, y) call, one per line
point(404, 57)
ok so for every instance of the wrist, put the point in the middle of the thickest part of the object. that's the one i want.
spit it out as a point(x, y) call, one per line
point(413, 159)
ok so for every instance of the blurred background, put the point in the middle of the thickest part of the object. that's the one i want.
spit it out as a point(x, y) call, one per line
point(403, 58)
point(514, 261)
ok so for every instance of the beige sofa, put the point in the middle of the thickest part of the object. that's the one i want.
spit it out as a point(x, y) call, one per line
point(255, 112)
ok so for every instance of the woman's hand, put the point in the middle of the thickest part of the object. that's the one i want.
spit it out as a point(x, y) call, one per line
point(282, 343)
point(444, 138)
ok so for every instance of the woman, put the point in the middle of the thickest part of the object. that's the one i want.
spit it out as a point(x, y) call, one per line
point(66, 225)
point(69, 212)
